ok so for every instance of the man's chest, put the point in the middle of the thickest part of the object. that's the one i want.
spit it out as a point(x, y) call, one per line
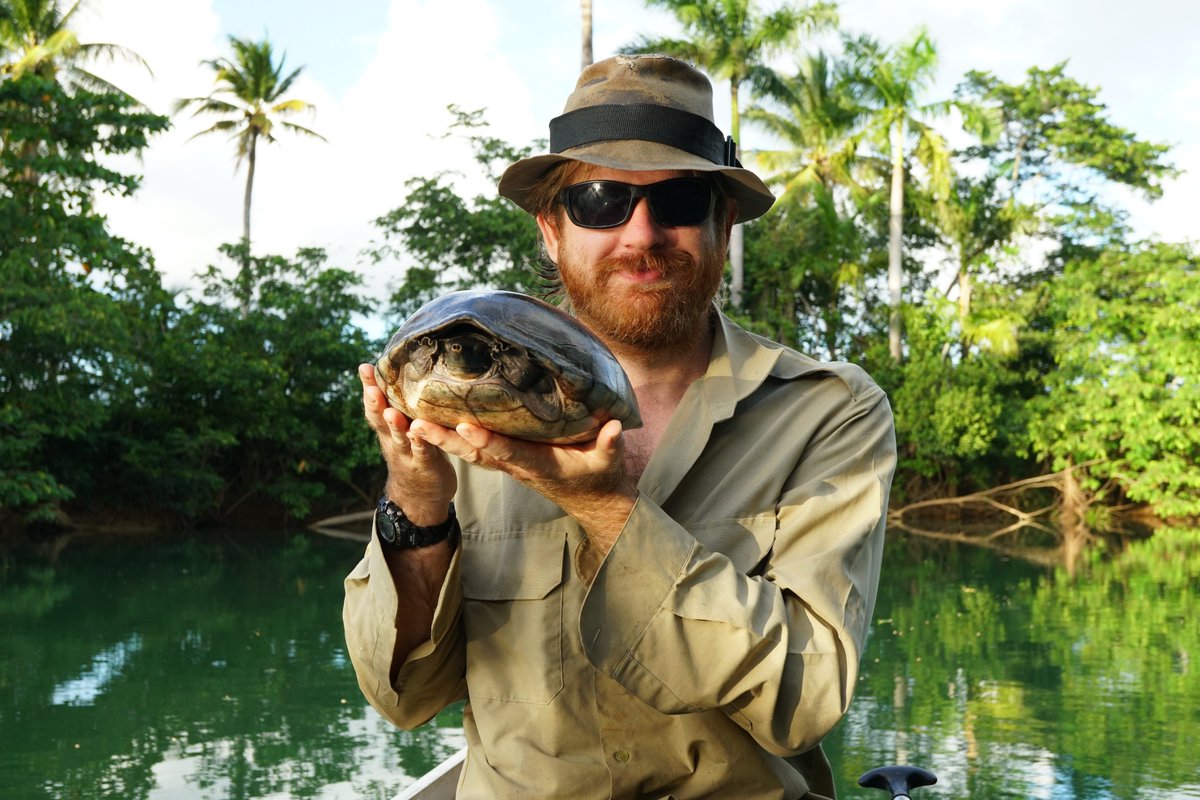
point(641, 443)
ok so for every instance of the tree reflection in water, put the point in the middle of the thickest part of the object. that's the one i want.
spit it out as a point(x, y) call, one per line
point(216, 668)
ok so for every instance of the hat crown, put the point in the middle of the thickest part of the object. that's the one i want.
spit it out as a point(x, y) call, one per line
point(643, 79)
point(640, 113)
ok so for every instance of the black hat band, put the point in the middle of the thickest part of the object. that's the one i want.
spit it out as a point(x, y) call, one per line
point(673, 127)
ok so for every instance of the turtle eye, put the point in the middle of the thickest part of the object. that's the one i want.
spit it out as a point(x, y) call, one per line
point(468, 354)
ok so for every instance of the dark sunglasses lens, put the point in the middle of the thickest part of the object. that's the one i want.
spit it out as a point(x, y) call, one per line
point(599, 204)
point(682, 201)
point(607, 204)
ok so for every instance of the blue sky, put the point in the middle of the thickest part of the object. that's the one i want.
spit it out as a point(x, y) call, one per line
point(336, 47)
point(381, 73)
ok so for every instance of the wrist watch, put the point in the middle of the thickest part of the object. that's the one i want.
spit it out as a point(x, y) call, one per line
point(399, 533)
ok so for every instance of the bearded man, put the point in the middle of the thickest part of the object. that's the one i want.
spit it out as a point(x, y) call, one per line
point(676, 610)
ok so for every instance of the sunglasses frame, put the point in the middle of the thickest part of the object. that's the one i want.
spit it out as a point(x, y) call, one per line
point(638, 191)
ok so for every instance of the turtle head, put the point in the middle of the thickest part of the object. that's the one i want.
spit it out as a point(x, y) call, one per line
point(466, 354)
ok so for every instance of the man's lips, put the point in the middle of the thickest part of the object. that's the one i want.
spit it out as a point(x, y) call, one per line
point(640, 276)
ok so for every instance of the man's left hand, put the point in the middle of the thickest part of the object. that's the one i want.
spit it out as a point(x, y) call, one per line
point(588, 480)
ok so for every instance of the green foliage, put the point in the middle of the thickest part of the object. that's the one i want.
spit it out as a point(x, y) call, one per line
point(113, 388)
point(955, 418)
point(37, 37)
point(732, 39)
point(807, 270)
point(250, 96)
point(249, 101)
point(71, 293)
point(249, 411)
point(1050, 124)
point(1127, 384)
point(459, 242)
point(815, 113)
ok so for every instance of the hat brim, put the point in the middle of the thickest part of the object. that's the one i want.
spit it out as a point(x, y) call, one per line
point(752, 195)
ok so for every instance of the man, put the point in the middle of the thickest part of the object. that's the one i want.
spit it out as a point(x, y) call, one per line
point(672, 611)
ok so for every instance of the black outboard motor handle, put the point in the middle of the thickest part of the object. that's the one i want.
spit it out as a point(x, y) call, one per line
point(897, 780)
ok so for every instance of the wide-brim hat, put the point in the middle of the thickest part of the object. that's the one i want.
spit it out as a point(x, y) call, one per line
point(641, 112)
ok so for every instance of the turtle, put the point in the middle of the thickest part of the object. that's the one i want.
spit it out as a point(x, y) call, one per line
point(507, 362)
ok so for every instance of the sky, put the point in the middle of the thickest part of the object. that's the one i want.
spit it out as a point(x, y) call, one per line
point(381, 74)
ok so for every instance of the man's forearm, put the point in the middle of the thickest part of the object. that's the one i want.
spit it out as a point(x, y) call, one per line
point(418, 575)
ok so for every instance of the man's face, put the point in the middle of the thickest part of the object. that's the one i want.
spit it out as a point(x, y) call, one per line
point(640, 284)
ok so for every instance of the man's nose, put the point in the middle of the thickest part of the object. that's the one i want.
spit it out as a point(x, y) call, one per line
point(642, 230)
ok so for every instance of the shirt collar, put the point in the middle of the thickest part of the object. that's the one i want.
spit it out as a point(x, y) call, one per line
point(739, 363)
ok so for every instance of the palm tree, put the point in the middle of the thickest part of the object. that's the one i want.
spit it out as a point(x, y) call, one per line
point(586, 54)
point(37, 40)
point(731, 40)
point(249, 95)
point(819, 124)
point(36, 37)
point(977, 223)
point(889, 82)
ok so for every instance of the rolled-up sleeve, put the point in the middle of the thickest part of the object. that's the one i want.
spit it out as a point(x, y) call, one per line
point(434, 674)
point(775, 647)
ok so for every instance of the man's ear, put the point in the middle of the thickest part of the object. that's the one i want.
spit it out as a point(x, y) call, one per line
point(549, 229)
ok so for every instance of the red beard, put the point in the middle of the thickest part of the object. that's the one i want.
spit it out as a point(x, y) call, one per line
point(652, 315)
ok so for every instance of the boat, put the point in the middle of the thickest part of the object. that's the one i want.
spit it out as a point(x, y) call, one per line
point(440, 783)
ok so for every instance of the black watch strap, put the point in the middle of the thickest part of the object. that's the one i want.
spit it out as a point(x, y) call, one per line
point(399, 533)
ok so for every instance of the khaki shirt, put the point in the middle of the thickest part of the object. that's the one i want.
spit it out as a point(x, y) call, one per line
point(720, 639)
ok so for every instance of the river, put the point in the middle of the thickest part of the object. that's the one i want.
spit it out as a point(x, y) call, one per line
point(214, 667)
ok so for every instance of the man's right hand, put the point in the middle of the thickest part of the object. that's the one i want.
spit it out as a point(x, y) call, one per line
point(420, 478)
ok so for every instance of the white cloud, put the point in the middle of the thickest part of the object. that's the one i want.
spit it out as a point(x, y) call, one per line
point(383, 131)
point(519, 61)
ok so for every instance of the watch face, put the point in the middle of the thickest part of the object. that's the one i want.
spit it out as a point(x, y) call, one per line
point(385, 526)
point(397, 531)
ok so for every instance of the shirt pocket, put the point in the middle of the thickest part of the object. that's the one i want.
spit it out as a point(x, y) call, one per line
point(513, 615)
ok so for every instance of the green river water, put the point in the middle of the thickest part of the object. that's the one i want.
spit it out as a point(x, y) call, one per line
point(215, 668)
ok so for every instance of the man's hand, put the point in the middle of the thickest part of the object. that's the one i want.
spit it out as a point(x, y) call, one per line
point(587, 480)
point(420, 478)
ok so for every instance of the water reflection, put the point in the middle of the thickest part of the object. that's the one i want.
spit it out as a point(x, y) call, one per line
point(106, 665)
point(194, 670)
point(1011, 681)
point(217, 669)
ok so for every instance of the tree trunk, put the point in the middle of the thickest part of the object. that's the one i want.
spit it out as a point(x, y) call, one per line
point(737, 242)
point(244, 277)
point(895, 229)
point(586, 7)
point(964, 306)
point(1072, 518)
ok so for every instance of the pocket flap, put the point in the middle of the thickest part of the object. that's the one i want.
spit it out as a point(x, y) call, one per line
point(516, 566)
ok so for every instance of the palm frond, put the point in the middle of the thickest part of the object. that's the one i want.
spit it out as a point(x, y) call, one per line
point(292, 106)
point(294, 128)
point(679, 48)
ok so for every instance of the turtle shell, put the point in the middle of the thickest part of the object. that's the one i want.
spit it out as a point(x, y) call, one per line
point(506, 362)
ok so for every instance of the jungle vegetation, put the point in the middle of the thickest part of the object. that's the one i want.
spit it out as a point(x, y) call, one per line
point(1018, 325)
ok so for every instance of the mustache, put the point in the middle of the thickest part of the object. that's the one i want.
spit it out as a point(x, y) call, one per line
point(668, 263)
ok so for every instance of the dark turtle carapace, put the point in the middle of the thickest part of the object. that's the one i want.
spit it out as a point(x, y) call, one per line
point(506, 362)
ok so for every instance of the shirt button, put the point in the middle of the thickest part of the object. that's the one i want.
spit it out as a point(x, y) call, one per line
point(621, 755)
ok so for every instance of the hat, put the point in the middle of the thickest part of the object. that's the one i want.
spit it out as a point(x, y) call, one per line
point(641, 112)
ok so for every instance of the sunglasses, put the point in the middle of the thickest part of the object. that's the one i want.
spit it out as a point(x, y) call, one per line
point(678, 202)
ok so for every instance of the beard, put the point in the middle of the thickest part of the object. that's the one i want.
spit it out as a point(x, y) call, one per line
point(650, 316)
